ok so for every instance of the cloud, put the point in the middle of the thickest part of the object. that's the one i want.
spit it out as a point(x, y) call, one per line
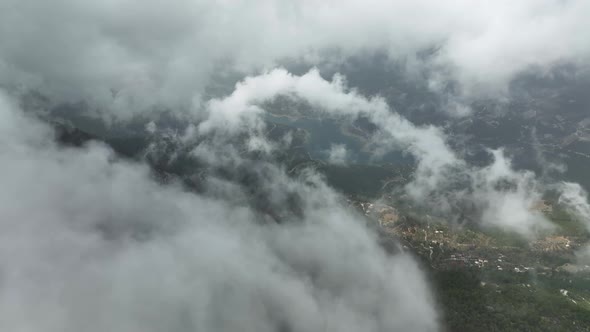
point(508, 197)
point(575, 199)
point(241, 112)
point(338, 154)
point(129, 55)
point(90, 242)
point(495, 195)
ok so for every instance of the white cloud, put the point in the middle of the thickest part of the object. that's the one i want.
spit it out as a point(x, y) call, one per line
point(575, 199)
point(338, 154)
point(91, 243)
point(509, 208)
point(131, 55)
point(501, 196)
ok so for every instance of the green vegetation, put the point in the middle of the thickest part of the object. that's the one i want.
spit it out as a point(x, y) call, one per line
point(362, 180)
point(491, 280)
point(568, 225)
point(476, 301)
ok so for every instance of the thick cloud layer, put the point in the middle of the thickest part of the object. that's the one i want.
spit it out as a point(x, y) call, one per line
point(92, 243)
point(131, 54)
